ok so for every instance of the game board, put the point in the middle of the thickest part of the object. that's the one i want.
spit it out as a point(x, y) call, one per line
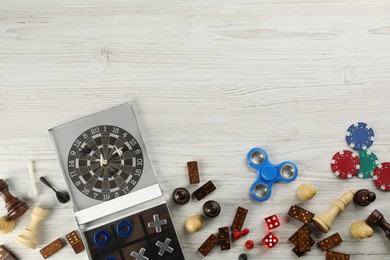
point(118, 204)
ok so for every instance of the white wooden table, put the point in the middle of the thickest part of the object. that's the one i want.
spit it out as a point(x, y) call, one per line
point(209, 80)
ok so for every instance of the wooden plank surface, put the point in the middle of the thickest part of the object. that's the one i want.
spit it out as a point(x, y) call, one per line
point(209, 80)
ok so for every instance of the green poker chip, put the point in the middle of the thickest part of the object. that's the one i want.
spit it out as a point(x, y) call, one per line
point(368, 162)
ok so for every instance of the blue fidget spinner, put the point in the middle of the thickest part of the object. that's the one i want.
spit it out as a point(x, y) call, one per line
point(268, 173)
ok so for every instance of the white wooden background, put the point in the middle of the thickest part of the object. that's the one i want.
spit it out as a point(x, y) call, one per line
point(209, 80)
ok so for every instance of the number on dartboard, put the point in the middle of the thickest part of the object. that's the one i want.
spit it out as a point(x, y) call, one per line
point(96, 163)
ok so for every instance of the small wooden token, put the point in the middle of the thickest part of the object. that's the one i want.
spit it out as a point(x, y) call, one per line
point(239, 218)
point(52, 248)
point(5, 254)
point(203, 191)
point(330, 242)
point(75, 241)
point(208, 245)
point(193, 172)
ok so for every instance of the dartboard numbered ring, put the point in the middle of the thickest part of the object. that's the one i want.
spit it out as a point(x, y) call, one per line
point(105, 162)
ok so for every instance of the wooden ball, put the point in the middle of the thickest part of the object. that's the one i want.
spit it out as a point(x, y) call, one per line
point(194, 223)
point(306, 191)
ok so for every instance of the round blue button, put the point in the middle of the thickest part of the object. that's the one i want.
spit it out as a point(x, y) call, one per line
point(268, 173)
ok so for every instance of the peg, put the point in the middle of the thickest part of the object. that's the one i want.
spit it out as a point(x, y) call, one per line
point(360, 229)
point(324, 220)
point(306, 191)
point(241, 233)
point(364, 197)
point(377, 218)
point(194, 223)
point(33, 189)
point(29, 236)
point(15, 207)
point(6, 225)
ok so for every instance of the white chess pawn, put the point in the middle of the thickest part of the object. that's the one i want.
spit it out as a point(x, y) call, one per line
point(29, 237)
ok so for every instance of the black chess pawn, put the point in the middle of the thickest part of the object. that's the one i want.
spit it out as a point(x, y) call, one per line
point(181, 196)
point(211, 209)
point(364, 197)
point(15, 207)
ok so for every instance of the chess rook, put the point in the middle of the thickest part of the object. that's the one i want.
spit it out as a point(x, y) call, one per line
point(377, 218)
point(364, 197)
point(360, 229)
point(29, 237)
point(15, 207)
point(324, 220)
point(6, 225)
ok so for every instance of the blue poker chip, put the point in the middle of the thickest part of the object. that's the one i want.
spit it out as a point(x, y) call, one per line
point(359, 136)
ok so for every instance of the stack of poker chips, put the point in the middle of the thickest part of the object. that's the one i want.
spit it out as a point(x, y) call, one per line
point(362, 162)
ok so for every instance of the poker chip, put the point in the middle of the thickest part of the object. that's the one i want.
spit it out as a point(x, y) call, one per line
point(345, 164)
point(381, 176)
point(359, 136)
point(368, 162)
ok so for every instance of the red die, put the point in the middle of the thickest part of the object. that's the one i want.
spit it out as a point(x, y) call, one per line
point(272, 222)
point(270, 240)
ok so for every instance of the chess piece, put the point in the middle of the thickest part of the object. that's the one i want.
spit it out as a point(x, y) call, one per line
point(29, 237)
point(6, 225)
point(360, 229)
point(33, 190)
point(181, 196)
point(194, 223)
point(14, 205)
point(364, 197)
point(211, 209)
point(306, 191)
point(324, 220)
point(377, 218)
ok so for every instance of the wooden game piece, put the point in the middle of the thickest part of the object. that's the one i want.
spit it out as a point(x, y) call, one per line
point(306, 191)
point(203, 191)
point(364, 197)
point(237, 234)
point(330, 242)
point(360, 229)
point(208, 245)
point(242, 257)
point(33, 189)
point(75, 242)
point(223, 238)
point(52, 248)
point(194, 223)
point(15, 207)
point(29, 237)
point(6, 225)
point(324, 220)
point(211, 209)
point(181, 196)
point(300, 214)
point(5, 254)
point(378, 219)
point(331, 255)
point(304, 240)
point(239, 218)
point(193, 172)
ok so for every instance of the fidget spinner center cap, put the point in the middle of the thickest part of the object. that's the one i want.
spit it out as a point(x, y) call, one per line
point(268, 173)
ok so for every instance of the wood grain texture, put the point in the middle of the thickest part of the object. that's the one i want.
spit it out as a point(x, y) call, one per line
point(209, 80)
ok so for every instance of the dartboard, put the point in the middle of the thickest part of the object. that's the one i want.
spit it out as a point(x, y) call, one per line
point(105, 162)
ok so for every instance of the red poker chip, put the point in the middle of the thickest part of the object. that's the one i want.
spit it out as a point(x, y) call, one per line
point(345, 164)
point(381, 176)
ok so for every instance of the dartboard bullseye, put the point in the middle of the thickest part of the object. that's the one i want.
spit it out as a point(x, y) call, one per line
point(105, 162)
